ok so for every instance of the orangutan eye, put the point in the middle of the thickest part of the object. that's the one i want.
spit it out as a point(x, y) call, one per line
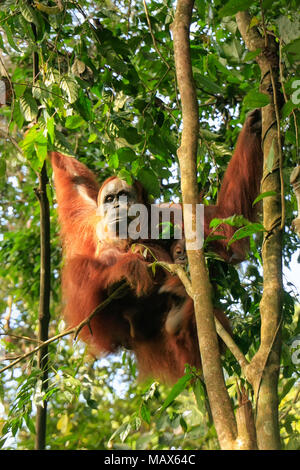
point(109, 198)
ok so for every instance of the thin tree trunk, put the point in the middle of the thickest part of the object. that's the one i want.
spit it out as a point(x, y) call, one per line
point(45, 281)
point(222, 412)
point(263, 371)
point(44, 309)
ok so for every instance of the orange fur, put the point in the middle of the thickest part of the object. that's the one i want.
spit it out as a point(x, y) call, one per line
point(93, 267)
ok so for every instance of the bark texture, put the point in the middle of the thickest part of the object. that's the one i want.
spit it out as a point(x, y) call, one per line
point(263, 370)
point(222, 412)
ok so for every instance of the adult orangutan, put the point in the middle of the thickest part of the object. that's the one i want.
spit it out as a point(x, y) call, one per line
point(155, 317)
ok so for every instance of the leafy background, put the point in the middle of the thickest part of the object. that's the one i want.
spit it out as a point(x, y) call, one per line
point(106, 92)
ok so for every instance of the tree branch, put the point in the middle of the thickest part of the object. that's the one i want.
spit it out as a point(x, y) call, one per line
point(232, 346)
point(224, 335)
point(153, 37)
point(74, 330)
point(6, 136)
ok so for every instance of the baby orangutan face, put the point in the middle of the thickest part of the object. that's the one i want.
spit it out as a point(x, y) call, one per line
point(178, 252)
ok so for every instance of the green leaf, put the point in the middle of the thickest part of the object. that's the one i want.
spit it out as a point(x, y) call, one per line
point(126, 155)
point(145, 413)
point(255, 99)
point(254, 250)
point(29, 423)
point(183, 424)
point(123, 430)
point(151, 391)
point(250, 56)
point(73, 122)
point(63, 424)
point(84, 106)
point(136, 423)
point(124, 434)
point(18, 116)
point(131, 135)
point(233, 6)
point(254, 22)
point(263, 195)
point(2, 46)
point(234, 221)
point(27, 144)
point(92, 404)
point(53, 76)
point(114, 161)
point(246, 231)
point(37, 92)
point(28, 13)
point(287, 387)
point(125, 175)
point(288, 107)
point(150, 181)
point(153, 269)
point(40, 145)
point(199, 392)
point(34, 146)
point(2, 442)
point(2, 166)
point(70, 87)
point(208, 84)
point(293, 51)
point(50, 129)
point(29, 107)
point(233, 50)
point(19, 90)
point(176, 390)
point(117, 64)
point(92, 138)
point(27, 30)
point(10, 38)
point(157, 145)
point(62, 144)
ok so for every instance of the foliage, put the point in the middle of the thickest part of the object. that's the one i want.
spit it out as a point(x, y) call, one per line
point(106, 92)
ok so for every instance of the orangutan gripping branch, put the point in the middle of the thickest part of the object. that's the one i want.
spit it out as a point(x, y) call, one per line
point(155, 318)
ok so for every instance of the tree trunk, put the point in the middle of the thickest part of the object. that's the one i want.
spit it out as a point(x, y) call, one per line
point(264, 368)
point(222, 412)
point(45, 281)
point(44, 308)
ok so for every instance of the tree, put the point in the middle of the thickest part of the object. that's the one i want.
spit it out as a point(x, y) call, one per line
point(104, 89)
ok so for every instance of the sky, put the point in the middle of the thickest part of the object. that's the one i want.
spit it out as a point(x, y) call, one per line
point(292, 274)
